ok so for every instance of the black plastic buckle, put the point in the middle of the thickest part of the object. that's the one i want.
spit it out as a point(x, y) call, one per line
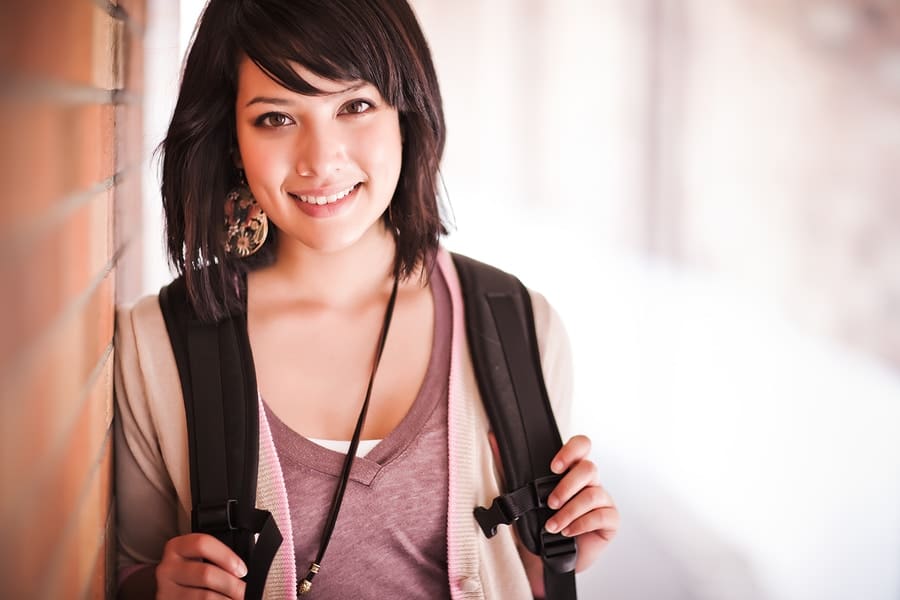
point(500, 513)
point(508, 508)
point(558, 551)
point(542, 487)
point(219, 517)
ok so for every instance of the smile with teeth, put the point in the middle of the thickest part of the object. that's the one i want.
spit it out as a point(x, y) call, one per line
point(325, 199)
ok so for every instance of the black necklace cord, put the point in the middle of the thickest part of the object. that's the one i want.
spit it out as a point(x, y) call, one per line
point(305, 584)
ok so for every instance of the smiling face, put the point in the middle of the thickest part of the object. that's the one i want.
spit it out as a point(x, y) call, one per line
point(323, 168)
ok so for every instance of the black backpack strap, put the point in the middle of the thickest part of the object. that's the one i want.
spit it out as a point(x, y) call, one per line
point(218, 383)
point(503, 344)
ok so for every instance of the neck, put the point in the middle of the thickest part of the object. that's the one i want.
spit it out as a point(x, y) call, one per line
point(344, 277)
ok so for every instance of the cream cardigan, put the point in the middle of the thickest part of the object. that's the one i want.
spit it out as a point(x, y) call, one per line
point(153, 482)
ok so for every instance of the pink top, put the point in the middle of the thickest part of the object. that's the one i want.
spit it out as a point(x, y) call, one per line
point(391, 533)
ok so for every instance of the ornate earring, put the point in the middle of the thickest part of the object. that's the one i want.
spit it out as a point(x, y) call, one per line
point(246, 225)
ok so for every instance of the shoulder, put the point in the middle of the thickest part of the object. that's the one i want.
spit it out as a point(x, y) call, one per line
point(553, 340)
point(140, 328)
point(456, 268)
point(147, 376)
point(150, 409)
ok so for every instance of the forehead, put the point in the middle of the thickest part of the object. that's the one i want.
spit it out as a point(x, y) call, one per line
point(253, 81)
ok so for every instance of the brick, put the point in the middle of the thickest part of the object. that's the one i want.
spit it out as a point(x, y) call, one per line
point(96, 580)
point(53, 270)
point(50, 151)
point(101, 575)
point(135, 13)
point(129, 137)
point(56, 558)
point(32, 35)
point(68, 428)
point(41, 396)
point(73, 561)
point(108, 66)
point(133, 60)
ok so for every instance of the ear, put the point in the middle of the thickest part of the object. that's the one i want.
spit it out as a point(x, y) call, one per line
point(236, 158)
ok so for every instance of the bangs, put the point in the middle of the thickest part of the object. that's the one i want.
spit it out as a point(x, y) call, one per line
point(304, 33)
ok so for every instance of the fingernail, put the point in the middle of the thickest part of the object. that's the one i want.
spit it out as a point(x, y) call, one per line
point(241, 570)
point(567, 532)
point(557, 466)
point(551, 526)
point(552, 502)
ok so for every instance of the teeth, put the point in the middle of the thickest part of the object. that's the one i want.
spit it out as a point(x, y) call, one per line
point(327, 199)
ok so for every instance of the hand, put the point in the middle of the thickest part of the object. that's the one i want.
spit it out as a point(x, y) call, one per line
point(183, 574)
point(586, 512)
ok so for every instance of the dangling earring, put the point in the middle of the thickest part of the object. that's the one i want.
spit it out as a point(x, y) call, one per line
point(246, 225)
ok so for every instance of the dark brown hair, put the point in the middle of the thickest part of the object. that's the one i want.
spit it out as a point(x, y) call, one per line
point(378, 41)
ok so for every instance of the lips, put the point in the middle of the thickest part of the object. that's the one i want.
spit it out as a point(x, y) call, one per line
point(324, 199)
point(327, 202)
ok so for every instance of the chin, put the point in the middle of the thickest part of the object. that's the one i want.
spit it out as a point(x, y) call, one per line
point(340, 241)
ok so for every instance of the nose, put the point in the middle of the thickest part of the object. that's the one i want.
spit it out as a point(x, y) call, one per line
point(321, 151)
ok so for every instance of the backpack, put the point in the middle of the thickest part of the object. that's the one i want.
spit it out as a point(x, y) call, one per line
point(218, 384)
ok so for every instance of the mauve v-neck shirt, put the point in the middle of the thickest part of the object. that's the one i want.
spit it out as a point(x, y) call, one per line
point(390, 539)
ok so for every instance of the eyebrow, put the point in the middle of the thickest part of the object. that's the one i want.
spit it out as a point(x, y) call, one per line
point(285, 101)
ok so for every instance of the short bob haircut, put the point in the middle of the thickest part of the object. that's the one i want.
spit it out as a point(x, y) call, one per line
point(378, 41)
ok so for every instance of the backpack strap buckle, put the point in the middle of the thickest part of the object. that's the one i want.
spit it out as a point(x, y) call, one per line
point(216, 517)
point(507, 508)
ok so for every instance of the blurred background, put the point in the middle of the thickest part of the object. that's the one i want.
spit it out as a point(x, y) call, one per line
point(706, 191)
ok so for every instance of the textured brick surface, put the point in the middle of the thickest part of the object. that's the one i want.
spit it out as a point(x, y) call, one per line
point(52, 150)
point(58, 411)
point(56, 268)
point(32, 34)
point(71, 76)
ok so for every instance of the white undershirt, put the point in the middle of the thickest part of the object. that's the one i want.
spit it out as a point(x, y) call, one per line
point(342, 446)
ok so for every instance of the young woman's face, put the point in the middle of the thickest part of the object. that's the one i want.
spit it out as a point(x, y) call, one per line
point(323, 168)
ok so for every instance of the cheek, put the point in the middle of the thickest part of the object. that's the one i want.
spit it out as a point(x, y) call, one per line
point(261, 160)
point(384, 147)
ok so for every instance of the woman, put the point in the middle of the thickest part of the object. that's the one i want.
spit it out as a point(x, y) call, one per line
point(314, 130)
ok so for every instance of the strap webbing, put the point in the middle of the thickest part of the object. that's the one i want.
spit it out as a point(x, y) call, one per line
point(263, 553)
point(559, 585)
point(208, 417)
point(506, 359)
point(218, 384)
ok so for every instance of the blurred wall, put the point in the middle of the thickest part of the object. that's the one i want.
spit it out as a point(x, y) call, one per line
point(706, 191)
point(70, 116)
point(782, 148)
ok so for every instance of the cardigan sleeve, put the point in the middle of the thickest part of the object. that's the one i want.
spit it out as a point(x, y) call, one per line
point(556, 360)
point(146, 500)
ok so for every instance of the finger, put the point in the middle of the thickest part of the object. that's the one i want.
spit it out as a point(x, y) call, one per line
point(202, 546)
point(602, 521)
point(208, 577)
point(573, 451)
point(582, 475)
point(587, 500)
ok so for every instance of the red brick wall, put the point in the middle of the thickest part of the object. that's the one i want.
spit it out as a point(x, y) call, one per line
point(70, 117)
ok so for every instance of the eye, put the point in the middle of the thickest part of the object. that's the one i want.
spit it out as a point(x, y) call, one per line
point(273, 120)
point(357, 107)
